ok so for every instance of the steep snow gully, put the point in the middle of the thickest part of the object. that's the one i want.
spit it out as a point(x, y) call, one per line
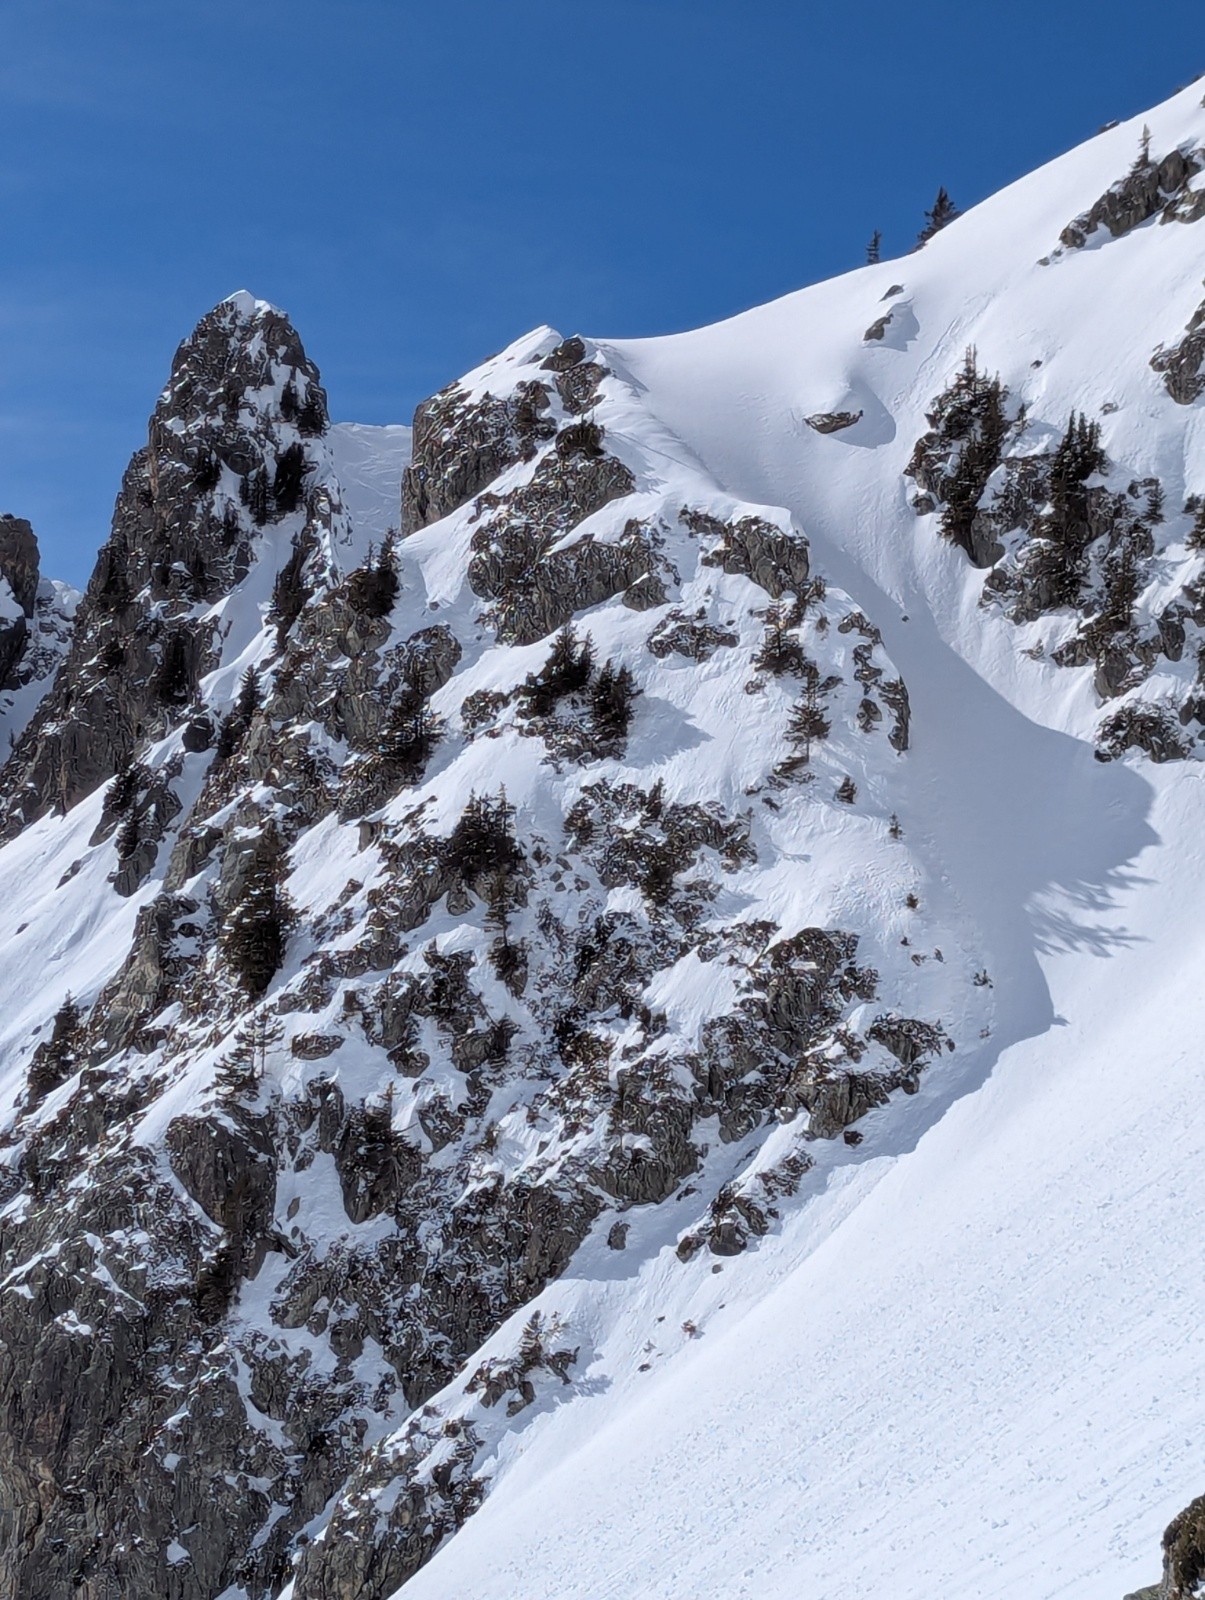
point(633, 953)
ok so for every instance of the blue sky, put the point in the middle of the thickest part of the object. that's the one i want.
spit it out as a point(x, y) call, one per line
point(419, 181)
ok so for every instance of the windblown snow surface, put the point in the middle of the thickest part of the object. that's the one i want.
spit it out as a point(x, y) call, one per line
point(969, 1361)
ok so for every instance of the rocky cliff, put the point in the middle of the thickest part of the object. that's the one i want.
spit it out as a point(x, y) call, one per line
point(449, 945)
point(37, 618)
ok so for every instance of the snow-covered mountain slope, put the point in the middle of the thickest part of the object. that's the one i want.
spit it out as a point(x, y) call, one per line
point(971, 1365)
point(611, 1011)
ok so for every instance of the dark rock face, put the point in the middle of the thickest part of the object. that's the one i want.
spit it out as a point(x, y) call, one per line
point(36, 623)
point(461, 445)
point(182, 533)
point(1152, 188)
point(19, 570)
point(1183, 365)
point(19, 561)
point(833, 421)
point(536, 589)
point(776, 561)
point(1183, 1558)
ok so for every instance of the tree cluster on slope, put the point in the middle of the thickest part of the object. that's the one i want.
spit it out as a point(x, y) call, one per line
point(60, 1056)
point(255, 929)
point(374, 587)
point(569, 674)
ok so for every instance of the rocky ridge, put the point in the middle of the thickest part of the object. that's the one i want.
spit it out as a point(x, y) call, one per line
point(37, 618)
point(445, 956)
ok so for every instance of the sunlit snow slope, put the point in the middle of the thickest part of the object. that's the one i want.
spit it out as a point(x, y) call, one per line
point(969, 1363)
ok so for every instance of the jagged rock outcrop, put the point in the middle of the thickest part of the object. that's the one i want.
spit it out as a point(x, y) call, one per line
point(355, 987)
point(1183, 1558)
point(225, 458)
point(36, 623)
point(832, 421)
point(1151, 188)
point(1183, 365)
point(19, 561)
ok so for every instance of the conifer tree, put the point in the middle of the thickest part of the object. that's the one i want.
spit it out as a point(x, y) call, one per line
point(238, 719)
point(1121, 589)
point(483, 843)
point(1155, 501)
point(129, 837)
point(1077, 458)
point(206, 472)
point(255, 931)
point(247, 702)
point(567, 671)
point(611, 697)
point(311, 419)
point(807, 721)
point(58, 1058)
point(254, 494)
point(123, 790)
point(1195, 538)
point(874, 249)
point(173, 684)
point(289, 478)
point(779, 653)
point(942, 212)
point(373, 588)
point(408, 738)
